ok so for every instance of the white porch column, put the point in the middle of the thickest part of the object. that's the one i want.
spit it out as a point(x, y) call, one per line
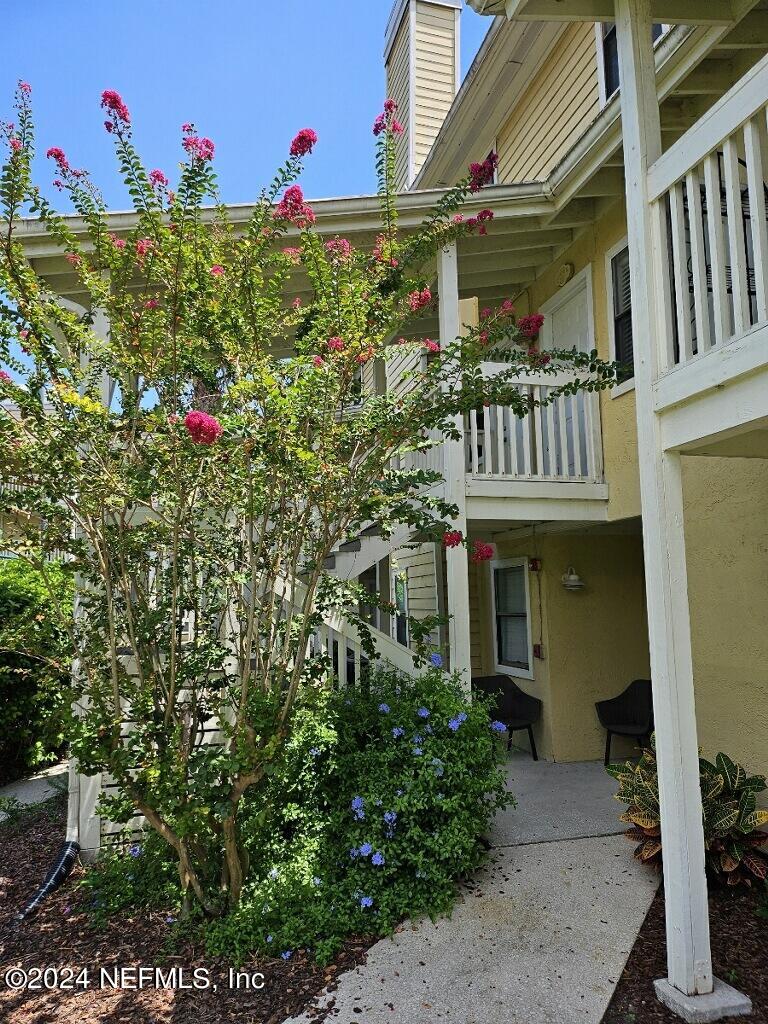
point(457, 570)
point(688, 946)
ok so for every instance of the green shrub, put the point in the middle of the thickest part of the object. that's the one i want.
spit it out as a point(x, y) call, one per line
point(34, 672)
point(732, 823)
point(372, 815)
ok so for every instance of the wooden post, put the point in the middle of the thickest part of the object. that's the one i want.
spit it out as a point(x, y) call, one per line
point(457, 569)
point(688, 945)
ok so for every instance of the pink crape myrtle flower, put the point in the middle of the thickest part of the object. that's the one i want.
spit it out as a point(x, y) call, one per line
point(336, 344)
point(73, 258)
point(143, 246)
point(419, 299)
point(216, 270)
point(202, 428)
point(366, 355)
point(453, 538)
point(199, 148)
point(151, 304)
point(304, 142)
point(481, 174)
point(431, 346)
point(507, 307)
point(5, 377)
point(294, 209)
point(293, 254)
point(25, 87)
point(119, 243)
point(15, 145)
point(296, 303)
point(530, 326)
point(338, 248)
point(486, 313)
point(482, 552)
point(57, 154)
point(113, 102)
point(157, 178)
point(390, 106)
point(318, 361)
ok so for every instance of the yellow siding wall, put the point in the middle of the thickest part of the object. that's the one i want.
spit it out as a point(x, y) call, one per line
point(422, 581)
point(398, 90)
point(561, 101)
point(434, 76)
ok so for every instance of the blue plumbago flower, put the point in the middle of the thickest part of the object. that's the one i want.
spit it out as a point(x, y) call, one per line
point(423, 712)
point(397, 732)
point(390, 817)
point(274, 873)
point(365, 850)
point(377, 859)
point(417, 751)
point(439, 767)
point(399, 792)
point(170, 919)
point(357, 807)
point(269, 938)
point(317, 881)
point(417, 740)
point(428, 729)
point(315, 752)
point(287, 954)
point(354, 852)
point(135, 850)
point(366, 901)
point(420, 873)
point(456, 722)
point(384, 708)
point(498, 726)
point(437, 660)
point(378, 803)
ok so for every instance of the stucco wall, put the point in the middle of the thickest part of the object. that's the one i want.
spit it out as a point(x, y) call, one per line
point(726, 530)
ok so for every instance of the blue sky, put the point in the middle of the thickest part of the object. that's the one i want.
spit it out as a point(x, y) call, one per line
point(249, 77)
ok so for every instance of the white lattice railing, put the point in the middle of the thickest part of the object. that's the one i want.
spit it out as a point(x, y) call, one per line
point(709, 193)
point(560, 441)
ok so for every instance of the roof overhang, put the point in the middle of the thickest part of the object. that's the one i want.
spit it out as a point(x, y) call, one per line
point(669, 12)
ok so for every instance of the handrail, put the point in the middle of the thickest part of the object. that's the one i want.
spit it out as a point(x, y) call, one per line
point(729, 114)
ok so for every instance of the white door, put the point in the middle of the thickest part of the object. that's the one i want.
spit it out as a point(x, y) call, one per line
point(568, 325)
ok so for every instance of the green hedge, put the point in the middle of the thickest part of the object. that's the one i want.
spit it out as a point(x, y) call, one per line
point(34, 690)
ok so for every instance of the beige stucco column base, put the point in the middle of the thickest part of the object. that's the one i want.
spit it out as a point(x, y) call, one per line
point(724, 1001)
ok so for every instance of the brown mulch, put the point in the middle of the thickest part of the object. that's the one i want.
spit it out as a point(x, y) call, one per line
point(61, 937)
point(739, 953)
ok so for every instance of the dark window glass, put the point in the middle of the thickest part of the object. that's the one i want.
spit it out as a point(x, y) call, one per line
point(400, 601)
point(511, 617)
point(622, 315)
point(611, 56)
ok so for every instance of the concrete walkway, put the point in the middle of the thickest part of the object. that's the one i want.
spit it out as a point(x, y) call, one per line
point(37, 788)
point(540, 936)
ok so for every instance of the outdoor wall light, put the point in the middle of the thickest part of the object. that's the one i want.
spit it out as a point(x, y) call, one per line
point(572, 580)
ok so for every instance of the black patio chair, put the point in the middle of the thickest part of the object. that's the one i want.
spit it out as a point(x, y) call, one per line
point(512, 706)
point(629, 714)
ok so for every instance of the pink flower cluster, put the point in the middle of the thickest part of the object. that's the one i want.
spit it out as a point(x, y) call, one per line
point(482, 552)
point(338, 248)
point(57, 154)
point(113, 102)
point(304, 142)
point(202, 428)
point(5, 377)
point(151, 304)
point(419, 299)
point(387, 121)
point(367, 354)
point(507, 307)
point(158, 179)
point(293, 254)
point(453, 538)
point(216, 270)
point(382, 251)
point(25, 87)
point(294, 209)
point(336, 344)
point(143, 246)
point(15, 144)
point(318, 361)
point(481, 174)
point(431, 346)
point(197, 147)
point(119, 243)
point(480, 221)
point(530, 326)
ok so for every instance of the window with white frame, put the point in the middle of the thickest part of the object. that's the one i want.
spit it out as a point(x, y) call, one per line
point(511, 617)
point(608, 56)
point(620, 313)
point(400, 601)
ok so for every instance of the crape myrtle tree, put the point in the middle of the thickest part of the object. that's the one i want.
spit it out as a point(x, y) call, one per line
point(199, 495)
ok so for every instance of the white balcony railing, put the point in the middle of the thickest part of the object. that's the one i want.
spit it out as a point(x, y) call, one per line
point(709, 192)
point(558, 441)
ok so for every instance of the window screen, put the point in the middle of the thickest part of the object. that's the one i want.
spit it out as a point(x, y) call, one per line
point(622, 316)
point(511, 617)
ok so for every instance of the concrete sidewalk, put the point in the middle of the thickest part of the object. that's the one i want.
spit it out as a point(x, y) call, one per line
point(540, 936)
point(37, 788)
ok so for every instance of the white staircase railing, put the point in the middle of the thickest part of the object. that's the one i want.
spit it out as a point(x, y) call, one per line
point(710, 193)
